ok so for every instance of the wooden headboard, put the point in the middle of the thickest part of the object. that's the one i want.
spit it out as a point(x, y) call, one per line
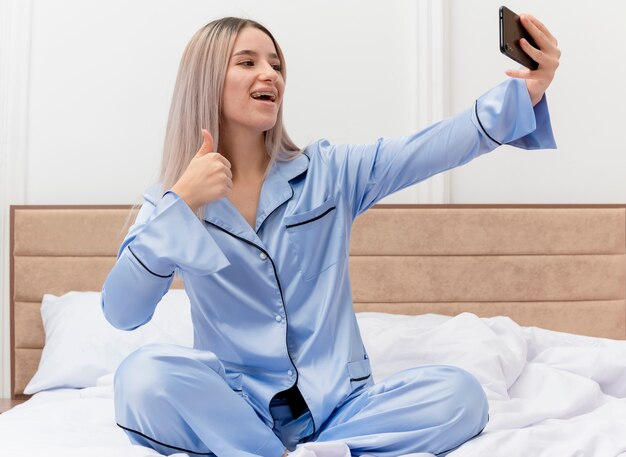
point(557, 267)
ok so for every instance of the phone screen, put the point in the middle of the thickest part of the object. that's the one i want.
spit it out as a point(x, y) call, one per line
point(511, 31)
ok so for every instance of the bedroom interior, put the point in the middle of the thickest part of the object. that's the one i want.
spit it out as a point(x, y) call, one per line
point(512, 267)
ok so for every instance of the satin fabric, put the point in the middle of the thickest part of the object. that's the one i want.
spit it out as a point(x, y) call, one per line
point(272, 304)
point(176, 399)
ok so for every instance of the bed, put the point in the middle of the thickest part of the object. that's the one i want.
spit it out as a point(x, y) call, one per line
point(530, 299)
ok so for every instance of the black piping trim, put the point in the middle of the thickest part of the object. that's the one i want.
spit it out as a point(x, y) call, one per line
point(361, 379)
point(163, 444)
point(148, 269)
point(469, 439)
point(267, 217)
point(314, 219)
point(481, 124)
point(282, 298)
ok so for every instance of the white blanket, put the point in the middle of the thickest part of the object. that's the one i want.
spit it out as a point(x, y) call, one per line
point(550, 394)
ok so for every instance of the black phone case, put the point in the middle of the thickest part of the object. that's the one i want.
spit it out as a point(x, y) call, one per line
point(511, 30)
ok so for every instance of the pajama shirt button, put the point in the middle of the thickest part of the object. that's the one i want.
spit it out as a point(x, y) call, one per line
point(290, 372)
point(278, 318)
point(263, 256)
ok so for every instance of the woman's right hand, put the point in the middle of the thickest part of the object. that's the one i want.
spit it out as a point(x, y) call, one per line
point(207, 178)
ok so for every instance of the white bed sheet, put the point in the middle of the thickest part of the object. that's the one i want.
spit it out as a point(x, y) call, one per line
point(550, 393)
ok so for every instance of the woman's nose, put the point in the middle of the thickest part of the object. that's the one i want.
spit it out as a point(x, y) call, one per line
point(268, 73)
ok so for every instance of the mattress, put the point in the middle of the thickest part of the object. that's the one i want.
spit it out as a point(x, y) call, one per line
point(550, 393)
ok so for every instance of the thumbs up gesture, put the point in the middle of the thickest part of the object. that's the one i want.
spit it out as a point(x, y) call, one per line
point(207, 178)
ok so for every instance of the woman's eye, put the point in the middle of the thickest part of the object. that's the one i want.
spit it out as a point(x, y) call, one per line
point(250, 63)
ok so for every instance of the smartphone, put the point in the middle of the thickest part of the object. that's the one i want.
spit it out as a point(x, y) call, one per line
point(511, 30)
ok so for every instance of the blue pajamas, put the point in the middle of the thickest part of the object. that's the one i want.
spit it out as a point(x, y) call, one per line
point(271, 304)
point(176, 399)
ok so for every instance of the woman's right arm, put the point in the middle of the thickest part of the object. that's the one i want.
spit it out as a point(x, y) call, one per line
point(166, 236)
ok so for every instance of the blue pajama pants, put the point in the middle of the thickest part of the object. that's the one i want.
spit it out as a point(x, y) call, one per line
point(176, 399)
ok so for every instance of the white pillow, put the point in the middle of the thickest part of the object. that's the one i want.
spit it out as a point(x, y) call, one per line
point(81, 345)
point(492, 349)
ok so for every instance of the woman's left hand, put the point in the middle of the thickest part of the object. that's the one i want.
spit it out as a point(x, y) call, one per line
point(547, 56)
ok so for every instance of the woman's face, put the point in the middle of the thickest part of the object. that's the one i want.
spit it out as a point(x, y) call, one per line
point(253, 88)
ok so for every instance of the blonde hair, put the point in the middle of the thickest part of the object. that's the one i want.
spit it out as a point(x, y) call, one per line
point(197, 100)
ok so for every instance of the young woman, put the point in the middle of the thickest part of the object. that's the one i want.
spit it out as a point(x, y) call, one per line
point(259, 231)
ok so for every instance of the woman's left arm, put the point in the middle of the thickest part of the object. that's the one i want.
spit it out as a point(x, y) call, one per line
point(547, 56)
